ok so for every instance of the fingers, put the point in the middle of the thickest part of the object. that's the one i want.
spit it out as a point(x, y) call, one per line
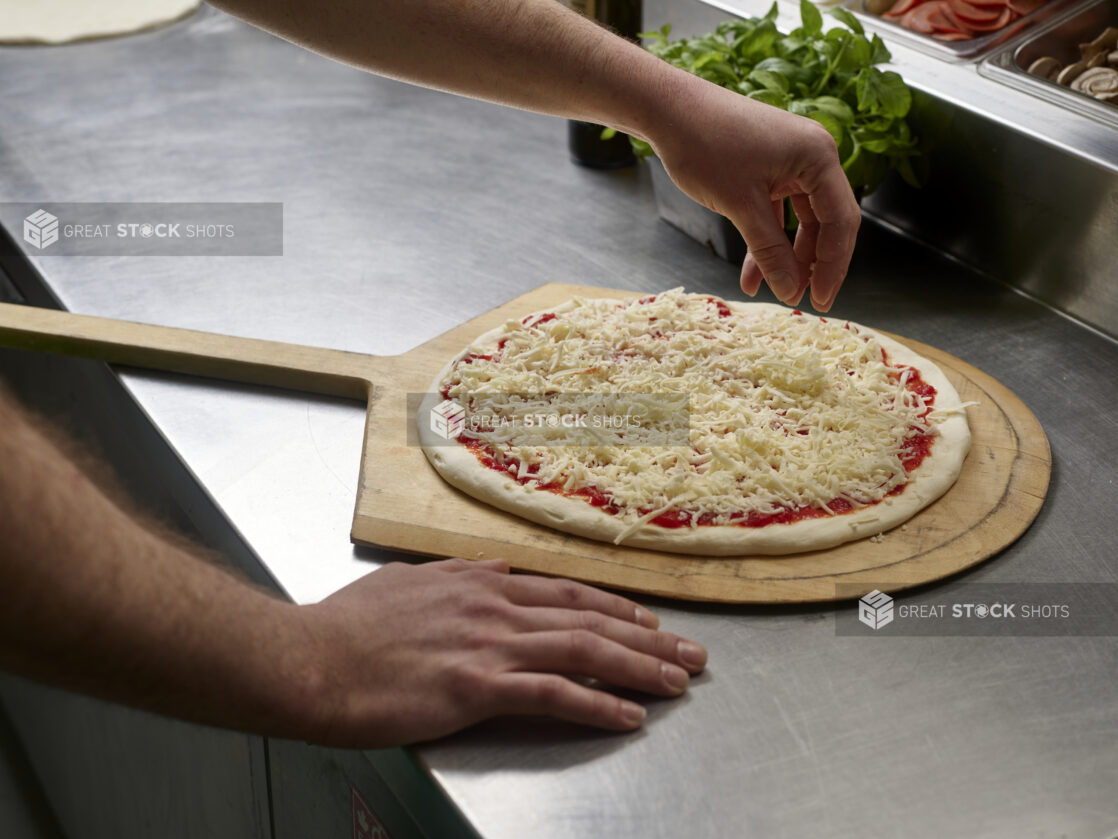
point(769, 250)
point(829, 219)
point(580, 652)
point(663, 645)
point(528, 590)
point(540, 631)
point(821, 251)
point(807, 236)
point(559, 697)
point(459, 564)
point(833, 205)
point(547, 604)
point(567, 594)
point(751, 276)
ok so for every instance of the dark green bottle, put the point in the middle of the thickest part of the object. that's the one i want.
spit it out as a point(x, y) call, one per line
point(585, 138)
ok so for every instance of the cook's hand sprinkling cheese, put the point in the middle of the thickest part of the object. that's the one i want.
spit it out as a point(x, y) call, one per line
point(733, 154)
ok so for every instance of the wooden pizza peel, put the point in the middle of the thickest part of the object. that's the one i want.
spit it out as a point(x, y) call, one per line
point(403, 504)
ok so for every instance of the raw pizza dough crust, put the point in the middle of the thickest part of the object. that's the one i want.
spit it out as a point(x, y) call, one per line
point(64, 21)
point(936, 474)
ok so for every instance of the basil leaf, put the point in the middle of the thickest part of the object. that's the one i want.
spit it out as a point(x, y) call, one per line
point(757, 44)
point(770, 97)
point(835, 107)
point(884, 93)
point(833, 126)
point(811, 17)
point(658, 36)
point(847, 18)
point(769, 80)
point(877, 145)
point(879, 53)
point(909, 174)
point(792, 72)
point(856, 56)
point(714, 68)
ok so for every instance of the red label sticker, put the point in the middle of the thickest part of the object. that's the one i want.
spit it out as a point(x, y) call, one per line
point(366, 825)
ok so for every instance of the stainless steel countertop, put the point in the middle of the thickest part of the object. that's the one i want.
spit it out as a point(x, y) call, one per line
point(409, 211)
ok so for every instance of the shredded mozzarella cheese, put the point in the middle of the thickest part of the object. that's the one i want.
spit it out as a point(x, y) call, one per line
point(785, 410)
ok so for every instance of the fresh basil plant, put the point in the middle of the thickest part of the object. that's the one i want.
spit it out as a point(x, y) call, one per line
point(829, 76)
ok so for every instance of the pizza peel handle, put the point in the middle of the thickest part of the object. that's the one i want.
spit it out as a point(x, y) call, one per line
point(312, 369)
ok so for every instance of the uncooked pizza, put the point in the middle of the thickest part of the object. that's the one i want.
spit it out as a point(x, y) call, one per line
point(686, 423)
point(64, 21)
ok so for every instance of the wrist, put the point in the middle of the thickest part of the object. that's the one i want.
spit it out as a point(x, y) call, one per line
point(297, 693)
point(667, 103)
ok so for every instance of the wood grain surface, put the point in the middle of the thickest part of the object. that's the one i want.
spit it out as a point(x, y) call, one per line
point(403, 504)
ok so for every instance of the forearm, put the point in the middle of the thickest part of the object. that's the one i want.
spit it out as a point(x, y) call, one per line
point(532, 54)
point(734, 155)
point(96, 602)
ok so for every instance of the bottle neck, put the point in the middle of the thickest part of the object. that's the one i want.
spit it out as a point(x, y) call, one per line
point(622, 16)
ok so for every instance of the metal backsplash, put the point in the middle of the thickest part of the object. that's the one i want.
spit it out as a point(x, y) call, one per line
point(1038, 218)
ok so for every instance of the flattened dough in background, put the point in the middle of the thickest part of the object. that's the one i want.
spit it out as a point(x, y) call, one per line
point(64, 21)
